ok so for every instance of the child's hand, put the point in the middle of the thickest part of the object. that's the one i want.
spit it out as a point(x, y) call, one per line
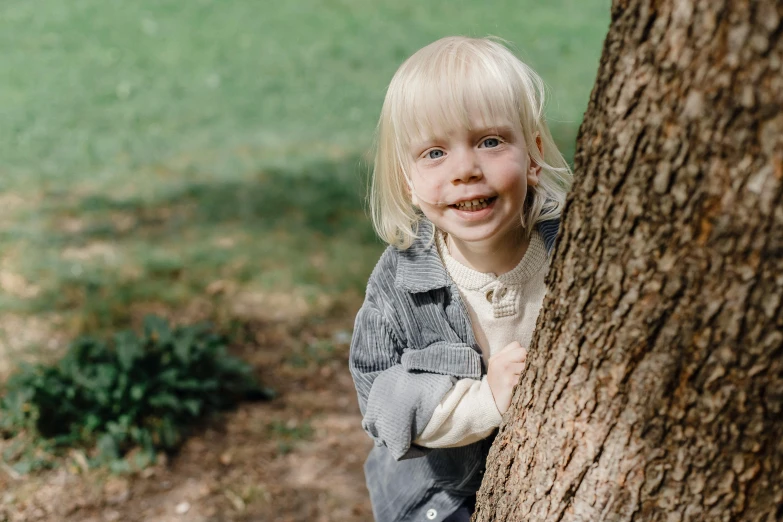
point(503, 373)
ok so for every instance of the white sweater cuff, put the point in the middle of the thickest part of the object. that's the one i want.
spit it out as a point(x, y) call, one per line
point(466, 414)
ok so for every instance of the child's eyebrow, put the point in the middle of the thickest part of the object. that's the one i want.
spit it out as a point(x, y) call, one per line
point(422, 144)
point(493, 129)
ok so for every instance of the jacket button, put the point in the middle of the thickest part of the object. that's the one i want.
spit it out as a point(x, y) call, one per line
point(431, 514)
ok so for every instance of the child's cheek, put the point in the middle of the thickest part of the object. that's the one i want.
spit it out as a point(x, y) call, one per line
point(429, 188)
point(436, 190)
point(437, 195)
point(515, 177)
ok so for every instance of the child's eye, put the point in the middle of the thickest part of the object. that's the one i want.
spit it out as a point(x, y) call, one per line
point(435, 154)
point(490, 143)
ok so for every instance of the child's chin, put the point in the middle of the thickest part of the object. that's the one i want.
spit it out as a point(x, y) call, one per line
point(469, 235)
point(479, 232)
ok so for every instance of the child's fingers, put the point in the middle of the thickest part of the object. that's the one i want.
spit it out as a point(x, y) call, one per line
point(511, 346)
point(515, 355)
point(516, 368)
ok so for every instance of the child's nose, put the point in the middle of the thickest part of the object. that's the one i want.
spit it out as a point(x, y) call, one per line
point(467, 167)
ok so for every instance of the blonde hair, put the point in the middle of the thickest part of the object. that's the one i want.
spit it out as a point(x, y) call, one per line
point(439, 87)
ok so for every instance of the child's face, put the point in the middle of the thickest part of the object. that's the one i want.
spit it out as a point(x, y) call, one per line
point(472, 183)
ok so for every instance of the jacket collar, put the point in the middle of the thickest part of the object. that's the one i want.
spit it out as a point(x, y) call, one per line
point(420, 268)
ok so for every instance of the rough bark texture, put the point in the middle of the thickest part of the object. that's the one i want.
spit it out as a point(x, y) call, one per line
point(654, 386)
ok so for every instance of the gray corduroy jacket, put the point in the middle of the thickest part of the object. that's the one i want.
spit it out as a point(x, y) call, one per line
point(412, 341)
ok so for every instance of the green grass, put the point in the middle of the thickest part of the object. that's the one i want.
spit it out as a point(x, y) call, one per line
point(280, 230)
point(154, 147)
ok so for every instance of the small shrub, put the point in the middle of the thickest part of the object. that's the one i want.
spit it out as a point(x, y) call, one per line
point(137, 391)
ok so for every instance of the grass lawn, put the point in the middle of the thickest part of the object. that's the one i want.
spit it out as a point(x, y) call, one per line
point(154, 153)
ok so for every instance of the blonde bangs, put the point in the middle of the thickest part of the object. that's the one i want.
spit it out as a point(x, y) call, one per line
point(447, 85)
point(448, 93)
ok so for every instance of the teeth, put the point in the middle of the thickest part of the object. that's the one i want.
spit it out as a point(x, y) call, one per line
point(475, 204)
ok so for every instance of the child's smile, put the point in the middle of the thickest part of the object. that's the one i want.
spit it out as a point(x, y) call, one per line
point(474, 205)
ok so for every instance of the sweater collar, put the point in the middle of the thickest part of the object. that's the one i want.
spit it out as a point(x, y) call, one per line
point(420, 268)
point(466, 278)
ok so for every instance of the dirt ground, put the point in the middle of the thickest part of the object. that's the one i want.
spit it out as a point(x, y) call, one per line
point(295, 458)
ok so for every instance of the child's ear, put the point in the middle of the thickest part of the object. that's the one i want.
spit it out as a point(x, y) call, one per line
point(534, 169)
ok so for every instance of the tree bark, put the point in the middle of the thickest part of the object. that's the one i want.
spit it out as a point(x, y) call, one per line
point(654, 385)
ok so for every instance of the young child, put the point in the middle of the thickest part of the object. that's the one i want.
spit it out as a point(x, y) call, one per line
point(467, 190)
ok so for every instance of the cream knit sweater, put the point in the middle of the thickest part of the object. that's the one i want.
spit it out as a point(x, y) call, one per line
point(502, 310)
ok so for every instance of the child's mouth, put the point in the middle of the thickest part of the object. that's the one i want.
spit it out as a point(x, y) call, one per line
point(474, 204)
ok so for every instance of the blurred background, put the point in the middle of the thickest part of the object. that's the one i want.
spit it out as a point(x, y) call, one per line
point(208, 160)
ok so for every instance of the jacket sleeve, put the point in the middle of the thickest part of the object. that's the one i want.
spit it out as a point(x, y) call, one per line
point(396, 400)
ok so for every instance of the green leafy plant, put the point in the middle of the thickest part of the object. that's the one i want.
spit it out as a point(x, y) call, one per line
point(138, 391)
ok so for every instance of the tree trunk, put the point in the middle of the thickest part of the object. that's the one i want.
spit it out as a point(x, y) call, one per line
point(654, 385)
